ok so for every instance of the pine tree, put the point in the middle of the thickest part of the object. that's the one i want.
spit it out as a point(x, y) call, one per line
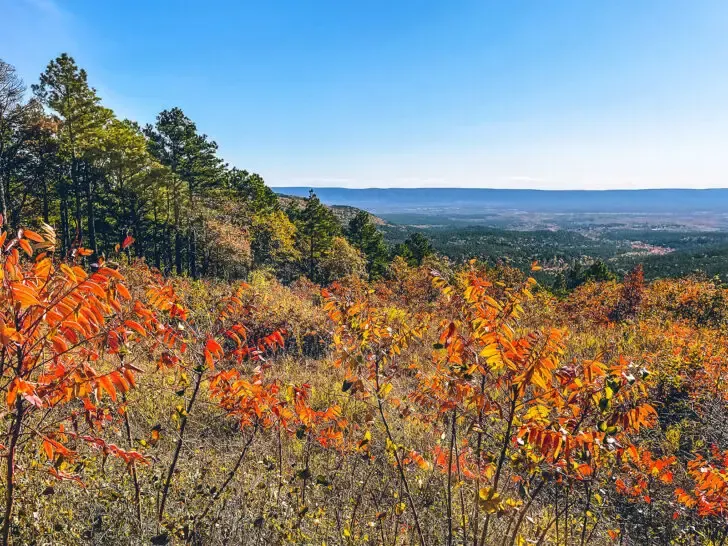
point(64, 88)
point(192, 158)
point(364, 235)
point(415, 249)
point(317, 226)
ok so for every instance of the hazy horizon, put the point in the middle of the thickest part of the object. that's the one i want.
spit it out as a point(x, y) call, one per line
point(447, 188)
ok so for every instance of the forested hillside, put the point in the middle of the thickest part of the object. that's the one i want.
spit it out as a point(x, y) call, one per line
point(66, 160)
point(186, 358)
point(564, 252)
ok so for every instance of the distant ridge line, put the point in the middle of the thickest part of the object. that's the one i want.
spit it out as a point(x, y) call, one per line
point(648, 200)
point(444, 188)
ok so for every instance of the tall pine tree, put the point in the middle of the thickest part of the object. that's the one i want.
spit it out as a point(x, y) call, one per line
point(364, 235)
point(316, 228)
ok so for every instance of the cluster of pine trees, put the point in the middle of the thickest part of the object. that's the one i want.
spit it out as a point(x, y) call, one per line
point(68, 161)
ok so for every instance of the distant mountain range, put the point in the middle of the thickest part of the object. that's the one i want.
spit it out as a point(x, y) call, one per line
point(389, 200)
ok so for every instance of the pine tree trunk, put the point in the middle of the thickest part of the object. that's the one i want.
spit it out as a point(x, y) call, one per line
point(310, 261)
point(65, 221)
point(46, 205)
point(90, 218)
point(4, 203)
point(178, 251)
point(168, 246)
point(77, 191)
point(139, 247)
point(157, 257)
point(155, 239)
point(193, 253)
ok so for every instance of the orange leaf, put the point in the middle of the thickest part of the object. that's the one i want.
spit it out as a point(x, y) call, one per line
point(213, 346)
point(105, 383)
point(59, 344)
point(25, 245)
point(12, 393)
point(123, 292)
point(48, 448)
point(24, 295)
point(585, 470)
point(129, 377)
point(138, 328)
point(118, 380)
point(32, 235)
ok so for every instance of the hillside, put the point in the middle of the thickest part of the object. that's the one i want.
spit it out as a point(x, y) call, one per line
point(173, 411)
point(343, 212)
point(188, 358)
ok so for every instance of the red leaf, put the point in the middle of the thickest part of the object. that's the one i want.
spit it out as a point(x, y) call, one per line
point(213, 346)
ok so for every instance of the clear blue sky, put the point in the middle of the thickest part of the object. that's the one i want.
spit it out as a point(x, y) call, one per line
point(511, 93)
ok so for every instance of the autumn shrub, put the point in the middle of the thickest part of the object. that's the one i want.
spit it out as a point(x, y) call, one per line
point(439, 406)
point(291, 309)
point(698, 300)
point(591, 303)
point(65, 336)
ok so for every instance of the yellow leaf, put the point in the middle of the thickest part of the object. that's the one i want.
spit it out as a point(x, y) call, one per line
point(538, 413)
point(489, 500)
point(489, 350)
point(384, 390)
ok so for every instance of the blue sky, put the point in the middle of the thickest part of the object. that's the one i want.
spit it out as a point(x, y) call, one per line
point(511, 93)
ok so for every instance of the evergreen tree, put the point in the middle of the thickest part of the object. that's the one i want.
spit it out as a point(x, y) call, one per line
point(316, 228)
point(134, 180)
point(597, 271)
point(364, 235)
point(192, 158)
point(64, 88)
point(251, 187)
point(415, 249)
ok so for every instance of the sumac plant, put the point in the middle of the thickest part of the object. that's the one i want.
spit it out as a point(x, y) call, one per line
point(525, 438)
point(213, 354)
point(62, 330)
